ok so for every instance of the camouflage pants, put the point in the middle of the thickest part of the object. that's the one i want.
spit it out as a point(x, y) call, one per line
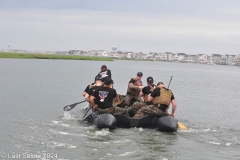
point(118, 100)
point(148, 110)
point(129, 97)
point(114, 110)
point(136, 106)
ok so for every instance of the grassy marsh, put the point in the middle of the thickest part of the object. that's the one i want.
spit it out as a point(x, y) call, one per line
point(50, 56)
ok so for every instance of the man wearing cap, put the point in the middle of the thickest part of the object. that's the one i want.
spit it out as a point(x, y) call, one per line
point(162, 97)
point(91, 88)
point(102, 99)
point(133, 90)
point(148, 90)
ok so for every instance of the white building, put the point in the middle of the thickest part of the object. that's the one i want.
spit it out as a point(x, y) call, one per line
point(103, 53)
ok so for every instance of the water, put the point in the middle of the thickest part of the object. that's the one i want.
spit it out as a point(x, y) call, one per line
point(34, 125)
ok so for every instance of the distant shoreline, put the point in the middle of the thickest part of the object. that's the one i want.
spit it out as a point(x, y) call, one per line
point(51, 56)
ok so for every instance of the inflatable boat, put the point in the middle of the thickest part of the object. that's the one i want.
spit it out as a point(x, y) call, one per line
point(163, 123)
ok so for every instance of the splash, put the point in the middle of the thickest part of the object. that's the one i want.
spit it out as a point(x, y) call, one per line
point(103, 132)
point(213, 142)
point(60, 123)
point(126, 153)
point(67, 115)
point(60, 145)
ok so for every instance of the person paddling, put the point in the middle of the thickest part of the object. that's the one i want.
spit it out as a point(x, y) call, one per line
point(102, 99)
point(87, 88)
point(98, 84)
point(147, 90)
point(161, 97)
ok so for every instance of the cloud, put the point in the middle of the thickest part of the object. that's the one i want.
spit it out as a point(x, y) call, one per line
point(87, 29)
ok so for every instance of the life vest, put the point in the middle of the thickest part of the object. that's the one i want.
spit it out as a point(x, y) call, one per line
point(146, 95)
point(134, 91)
point(164, 98)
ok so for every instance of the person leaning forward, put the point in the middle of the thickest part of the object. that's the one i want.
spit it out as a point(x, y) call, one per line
point(133, 90)
point(147, 90)
point(88, 87)
point(162, 98)
point(98, 84)
point(102, 99)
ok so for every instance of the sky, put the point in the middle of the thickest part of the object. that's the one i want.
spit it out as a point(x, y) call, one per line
point(177, 26)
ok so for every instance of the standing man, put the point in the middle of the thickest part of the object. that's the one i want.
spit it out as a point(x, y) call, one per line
point(133, 90)
point(102, 99)
point(162, 97)
point(147, 90)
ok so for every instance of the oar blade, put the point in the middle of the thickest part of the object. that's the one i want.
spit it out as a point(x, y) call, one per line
point(70, 107)
point(84, 117)
point(182, 126)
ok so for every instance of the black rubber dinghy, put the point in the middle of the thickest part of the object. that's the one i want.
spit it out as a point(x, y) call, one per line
point(164, 123)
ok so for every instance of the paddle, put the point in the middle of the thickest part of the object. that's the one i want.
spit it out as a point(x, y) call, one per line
point(169, 82)
point(182, 126)
point(71, 106)
point(83, 118)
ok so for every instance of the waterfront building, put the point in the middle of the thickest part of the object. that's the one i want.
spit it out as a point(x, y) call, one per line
point(180, 57)
point(203, 58)
point(236, 60)
point(228, 59)
point(215, 58)
point(103, 53)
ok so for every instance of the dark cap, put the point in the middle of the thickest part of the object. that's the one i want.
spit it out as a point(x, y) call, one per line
point(160, 83)
point(150, 79)
point(139, 73)
point(108, 81)
point(98, 77)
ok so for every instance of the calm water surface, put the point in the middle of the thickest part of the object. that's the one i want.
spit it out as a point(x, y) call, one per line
point(33, 123)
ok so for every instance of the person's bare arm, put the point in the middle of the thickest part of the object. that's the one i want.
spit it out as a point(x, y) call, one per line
point(84, 93)
point(94, 106)
point(174, 107)
point(150, 98)
point(87, 97)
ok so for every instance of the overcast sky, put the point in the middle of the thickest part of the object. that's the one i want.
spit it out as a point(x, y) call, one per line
point(178, 26)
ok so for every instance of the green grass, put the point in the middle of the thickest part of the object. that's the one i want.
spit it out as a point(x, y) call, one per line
point(50, 56)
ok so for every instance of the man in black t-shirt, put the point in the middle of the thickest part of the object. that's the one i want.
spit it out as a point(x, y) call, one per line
point(102, 99)
point(98, 83)
point(87, 89)
point(148, 90)
point(162, 97)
